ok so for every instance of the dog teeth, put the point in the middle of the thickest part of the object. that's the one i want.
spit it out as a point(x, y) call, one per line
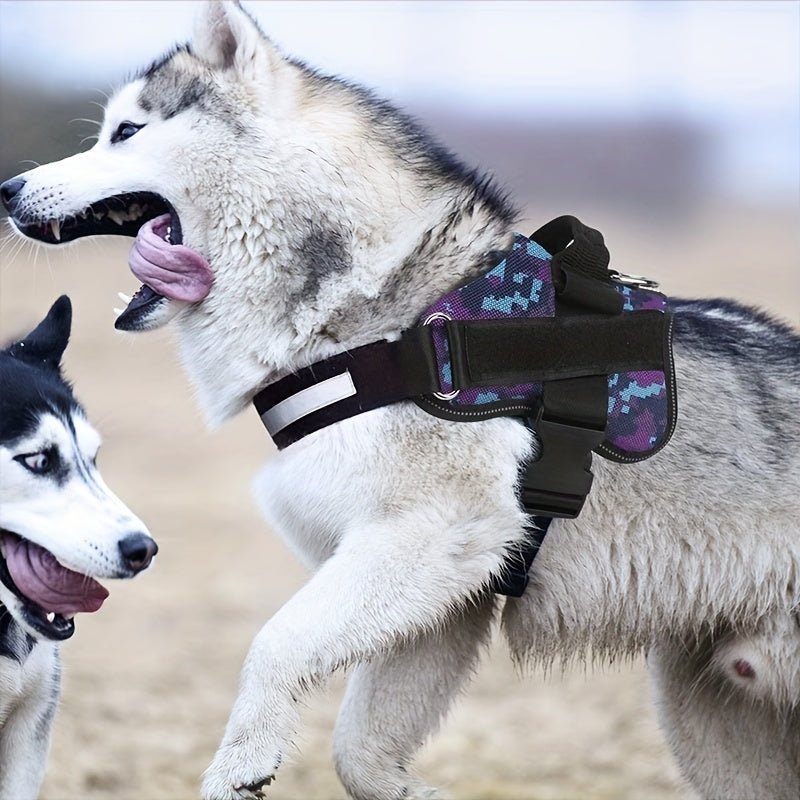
point(51, 615)
point(118, 311)
point(130, 214)
point(68, 615)
point(124, 297)
point(55, 227)
point(82, 214)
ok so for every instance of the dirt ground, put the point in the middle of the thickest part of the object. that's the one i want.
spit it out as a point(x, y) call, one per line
point(149, 680)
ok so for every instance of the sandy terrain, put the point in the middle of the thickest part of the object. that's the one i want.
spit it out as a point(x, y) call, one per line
point(149, 680)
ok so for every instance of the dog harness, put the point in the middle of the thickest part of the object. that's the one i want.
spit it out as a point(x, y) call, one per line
point(578, 352)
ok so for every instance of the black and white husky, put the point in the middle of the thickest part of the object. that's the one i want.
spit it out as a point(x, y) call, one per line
point(283, 216)
point(60, 528)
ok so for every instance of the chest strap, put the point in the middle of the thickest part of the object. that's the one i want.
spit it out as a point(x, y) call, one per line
point(483, 352)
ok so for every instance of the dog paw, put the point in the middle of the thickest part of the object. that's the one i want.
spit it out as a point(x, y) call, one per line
point(254, 791)
point(235, 776)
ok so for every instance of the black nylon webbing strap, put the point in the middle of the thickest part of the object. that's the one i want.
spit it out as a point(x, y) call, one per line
point(513, 580)
point(382, 373)
point(571, 423)
point(574, 409)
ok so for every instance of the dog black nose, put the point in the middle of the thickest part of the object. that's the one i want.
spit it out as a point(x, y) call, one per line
point(9, 191)
point(137, 551)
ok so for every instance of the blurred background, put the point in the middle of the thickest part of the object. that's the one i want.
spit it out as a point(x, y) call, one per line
point(673, 127)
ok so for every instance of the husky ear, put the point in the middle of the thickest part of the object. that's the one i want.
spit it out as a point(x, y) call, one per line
point(226, 36)
point(45, 345)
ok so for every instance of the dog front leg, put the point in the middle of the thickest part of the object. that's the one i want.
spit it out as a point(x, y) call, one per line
point(395, 702)
point(25, 741)
point(380, 588)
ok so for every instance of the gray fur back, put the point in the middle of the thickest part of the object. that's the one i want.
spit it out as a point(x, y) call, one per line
point(706, 533)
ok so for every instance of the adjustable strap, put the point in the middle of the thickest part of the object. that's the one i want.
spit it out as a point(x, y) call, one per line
point(569, 427)
point(570, 424)
point(347, 384)
point(513, 580)
point(574, 411)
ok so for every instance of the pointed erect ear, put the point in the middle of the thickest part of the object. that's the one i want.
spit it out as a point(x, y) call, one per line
point(226, 36)
point(45, 345)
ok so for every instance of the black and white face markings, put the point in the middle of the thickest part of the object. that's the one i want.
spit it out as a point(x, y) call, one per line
point(60, 525)
point(63, 448)
point(54, 496)
point(177, 82)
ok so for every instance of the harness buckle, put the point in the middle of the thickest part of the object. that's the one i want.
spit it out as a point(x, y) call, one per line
point(557, 483)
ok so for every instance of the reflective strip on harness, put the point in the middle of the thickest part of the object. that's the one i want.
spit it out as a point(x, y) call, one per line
point(307, 401)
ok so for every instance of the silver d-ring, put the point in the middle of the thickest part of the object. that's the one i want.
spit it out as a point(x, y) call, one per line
point(440, 315)
point(437, 315)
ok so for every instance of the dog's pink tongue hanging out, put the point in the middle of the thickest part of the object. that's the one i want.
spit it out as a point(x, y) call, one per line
point(38, 575)
point(173, 270)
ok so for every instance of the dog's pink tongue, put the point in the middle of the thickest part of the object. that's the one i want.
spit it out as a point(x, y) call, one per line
point(42, 579)
point(172, 270)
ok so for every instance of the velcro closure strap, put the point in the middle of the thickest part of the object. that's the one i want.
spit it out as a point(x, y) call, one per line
point(506, 352)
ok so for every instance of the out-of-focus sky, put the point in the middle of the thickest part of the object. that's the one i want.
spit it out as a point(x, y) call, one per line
point(730, 66)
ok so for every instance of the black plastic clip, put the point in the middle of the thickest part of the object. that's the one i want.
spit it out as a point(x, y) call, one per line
point(557, 483)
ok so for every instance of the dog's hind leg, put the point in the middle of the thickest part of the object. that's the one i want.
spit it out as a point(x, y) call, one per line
point(726, 743)
point(395, 702)
point(387, 584)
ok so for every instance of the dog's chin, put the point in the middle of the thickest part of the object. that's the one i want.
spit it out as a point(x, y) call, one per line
point(148, 311)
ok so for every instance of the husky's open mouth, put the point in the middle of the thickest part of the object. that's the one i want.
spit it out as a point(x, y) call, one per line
point(51, 594)
point(120, 215)
point(167, 268)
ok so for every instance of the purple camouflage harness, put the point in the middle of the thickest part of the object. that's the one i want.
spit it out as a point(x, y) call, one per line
point(521, 287)
point(549, 334)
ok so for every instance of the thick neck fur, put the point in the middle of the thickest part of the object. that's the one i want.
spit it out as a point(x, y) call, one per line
point(334, 234)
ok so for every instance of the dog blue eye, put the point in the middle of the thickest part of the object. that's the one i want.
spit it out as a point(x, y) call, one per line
point(124, 131)
point(37, 463)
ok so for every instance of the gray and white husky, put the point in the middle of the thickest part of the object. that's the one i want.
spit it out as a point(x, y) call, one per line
point(60, 528)
point(283, 216)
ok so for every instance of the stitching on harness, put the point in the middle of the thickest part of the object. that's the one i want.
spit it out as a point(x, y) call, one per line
point(495, 412)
